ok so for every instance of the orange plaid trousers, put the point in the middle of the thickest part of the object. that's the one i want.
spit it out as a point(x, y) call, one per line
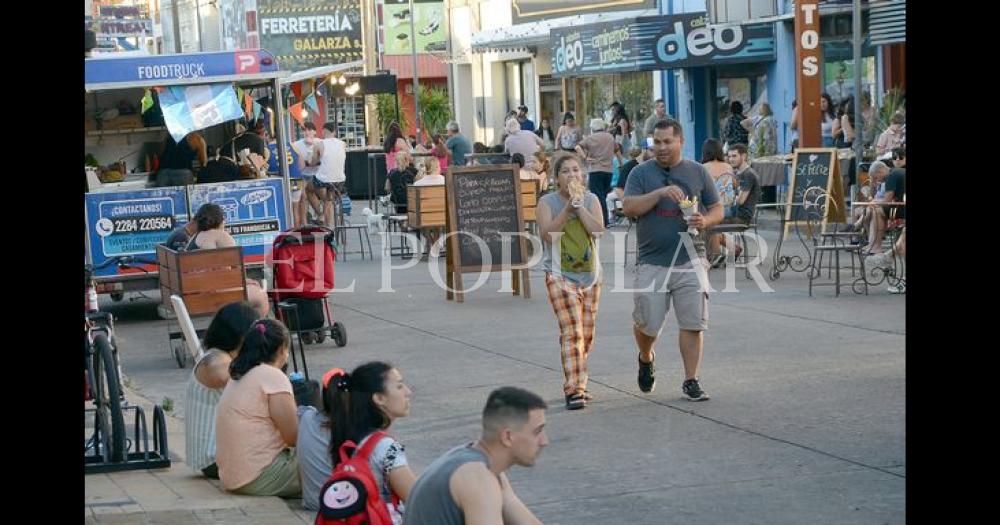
point(576, 311)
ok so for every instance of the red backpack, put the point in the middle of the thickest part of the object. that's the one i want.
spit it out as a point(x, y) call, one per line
point(351, 495)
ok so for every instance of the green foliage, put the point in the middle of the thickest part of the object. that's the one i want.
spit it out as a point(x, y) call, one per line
point(435, 109)
point(385, 112)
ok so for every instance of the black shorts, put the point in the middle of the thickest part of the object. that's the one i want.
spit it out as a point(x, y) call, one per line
point(339, 187)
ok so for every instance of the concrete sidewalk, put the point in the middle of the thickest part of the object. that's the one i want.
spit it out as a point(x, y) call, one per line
point(178, 495)
point(806, 422)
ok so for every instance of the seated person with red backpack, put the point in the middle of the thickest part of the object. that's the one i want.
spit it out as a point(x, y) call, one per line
point(370, 473)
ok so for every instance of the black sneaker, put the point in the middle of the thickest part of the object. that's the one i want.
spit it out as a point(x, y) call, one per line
point(693, 392)
point(575, 402)
point(647, 376)
point(718, 260)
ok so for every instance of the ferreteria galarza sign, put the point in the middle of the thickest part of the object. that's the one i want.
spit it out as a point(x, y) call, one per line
point(309, 33)
point(656, 42)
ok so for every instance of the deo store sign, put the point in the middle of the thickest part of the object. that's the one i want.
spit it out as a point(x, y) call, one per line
point(657, 42)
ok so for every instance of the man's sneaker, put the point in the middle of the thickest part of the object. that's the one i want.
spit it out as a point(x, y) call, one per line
point(693, 392)
point(575, 402)
point(881, 260)
point(718, 260)
point(647, 376)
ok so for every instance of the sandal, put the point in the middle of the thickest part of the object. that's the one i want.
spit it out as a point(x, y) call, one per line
point(575, 402)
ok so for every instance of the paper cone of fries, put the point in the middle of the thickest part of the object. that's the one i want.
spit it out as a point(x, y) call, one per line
point(577, 191)
point(689, 207)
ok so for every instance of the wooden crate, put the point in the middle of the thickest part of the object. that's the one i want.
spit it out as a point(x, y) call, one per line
point(529, 198)
point(205, 279)
point(425, 206)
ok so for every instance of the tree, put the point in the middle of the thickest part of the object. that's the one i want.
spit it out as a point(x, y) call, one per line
point(435, 109)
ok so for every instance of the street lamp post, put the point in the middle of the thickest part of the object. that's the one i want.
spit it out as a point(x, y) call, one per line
point(859, 125)
point(416, 81)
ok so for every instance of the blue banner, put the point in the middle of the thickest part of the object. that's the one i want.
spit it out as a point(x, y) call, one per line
point(172, 68)
point(132, 223)
point(656, 43)
point(190, 108)
point(255, 211)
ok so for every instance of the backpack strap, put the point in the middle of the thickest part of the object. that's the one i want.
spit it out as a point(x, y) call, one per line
point(366, 450)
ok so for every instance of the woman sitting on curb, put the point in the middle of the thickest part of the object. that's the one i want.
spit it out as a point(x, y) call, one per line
point(256, 425)
point(209, 376)
point(357, 405)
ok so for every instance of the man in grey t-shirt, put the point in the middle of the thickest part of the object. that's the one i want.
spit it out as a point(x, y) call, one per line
point(457, 144)
point(665, 271)
point(659, 113)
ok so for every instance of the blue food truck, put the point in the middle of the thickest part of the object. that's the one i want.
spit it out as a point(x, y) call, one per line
point(126, 219)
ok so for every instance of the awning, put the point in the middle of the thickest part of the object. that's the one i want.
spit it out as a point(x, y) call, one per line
point(887, 22)
point(522, 36)
point(323, 71)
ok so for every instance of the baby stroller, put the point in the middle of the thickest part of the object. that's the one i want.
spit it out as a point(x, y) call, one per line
point(302, 265)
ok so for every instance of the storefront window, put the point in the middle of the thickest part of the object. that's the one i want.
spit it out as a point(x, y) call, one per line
point(590, 97)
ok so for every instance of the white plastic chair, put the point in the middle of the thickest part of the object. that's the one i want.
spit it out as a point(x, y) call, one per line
point(187, 328)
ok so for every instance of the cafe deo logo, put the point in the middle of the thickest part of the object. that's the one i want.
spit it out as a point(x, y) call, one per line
point(700, 42)
point(568, 56)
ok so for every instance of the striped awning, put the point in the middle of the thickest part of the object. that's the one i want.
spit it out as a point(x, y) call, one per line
point(887, 22)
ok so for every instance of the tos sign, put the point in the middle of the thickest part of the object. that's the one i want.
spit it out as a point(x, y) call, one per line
point(809, 40)
point(808, 88)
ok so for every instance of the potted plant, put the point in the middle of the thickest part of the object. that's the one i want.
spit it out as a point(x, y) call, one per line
point(435, 109)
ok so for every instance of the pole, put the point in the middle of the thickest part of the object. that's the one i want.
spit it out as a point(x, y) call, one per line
point(416, 81)
point(808, 65)
point(859, 125)
point(277, 101)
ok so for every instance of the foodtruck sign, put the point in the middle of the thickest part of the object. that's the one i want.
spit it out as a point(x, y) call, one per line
point(132, 223)
point(164, 69)
point(254, 210)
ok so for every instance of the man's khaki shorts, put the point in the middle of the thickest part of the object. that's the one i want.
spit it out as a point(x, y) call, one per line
point(683, 287)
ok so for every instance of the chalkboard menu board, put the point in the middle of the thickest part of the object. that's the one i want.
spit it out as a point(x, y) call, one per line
point(483, 205)
point(816, 189)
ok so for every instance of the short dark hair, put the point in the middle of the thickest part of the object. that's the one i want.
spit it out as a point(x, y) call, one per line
point(509, 405)
point(741, 148)
point(309, 125)
point(711, 149)
point(209, 217)
point(330, 126)
point(658, 101)
point(669, 123)
point(898, 153)
point(518, 159)
point(736, 107)
point(229, 326)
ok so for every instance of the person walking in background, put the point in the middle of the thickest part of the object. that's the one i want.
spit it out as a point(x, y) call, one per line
point(522, 118)
point(457, 144)
point(522, 141)
point(826, 128)
point(598, 148)
point(545, 132)
point(394, 142)
point(763, 132)
point(659, 113)
point(734, 132)
point(621, 126)
point(569, 134)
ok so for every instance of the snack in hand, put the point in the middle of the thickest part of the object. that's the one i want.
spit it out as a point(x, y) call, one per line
point(576, 191)
point(689, 207)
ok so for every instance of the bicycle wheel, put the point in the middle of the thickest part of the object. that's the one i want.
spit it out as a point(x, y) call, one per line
point(108, 391)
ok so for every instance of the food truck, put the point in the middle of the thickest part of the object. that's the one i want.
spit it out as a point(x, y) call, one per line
point(126, 214)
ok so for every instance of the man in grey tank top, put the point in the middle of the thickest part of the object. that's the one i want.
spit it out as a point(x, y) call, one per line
point(469, 484)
